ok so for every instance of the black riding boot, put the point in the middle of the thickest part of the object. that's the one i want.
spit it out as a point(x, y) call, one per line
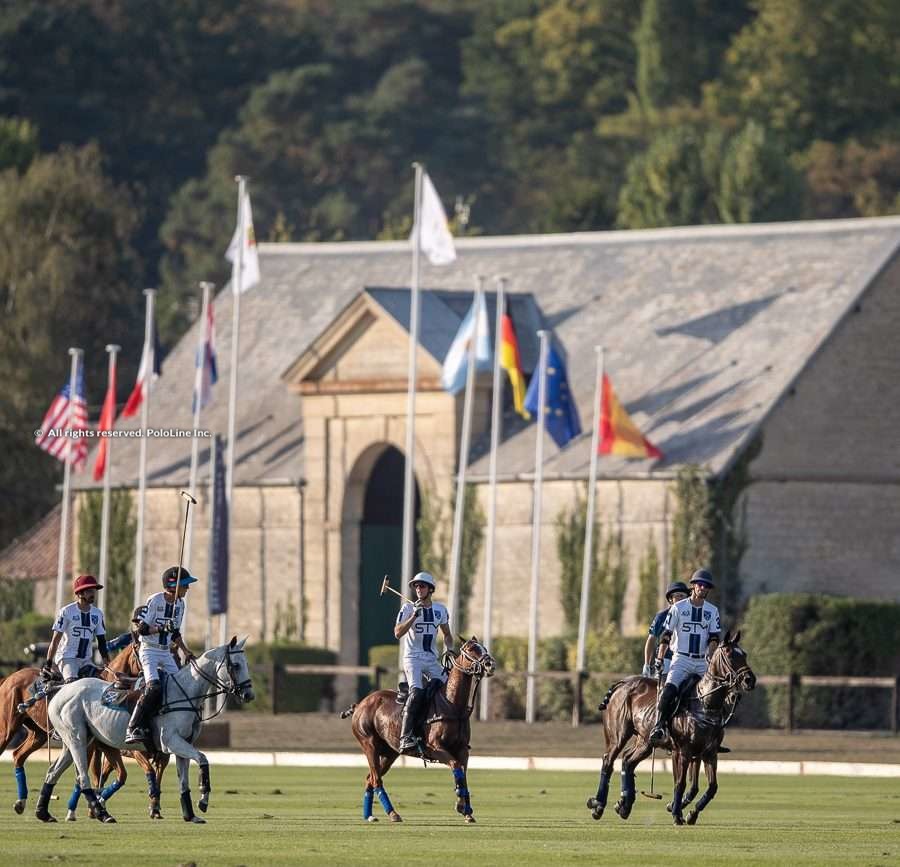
point(142, 714)
point(402, 692)
point(667, 703)
point(410, 719)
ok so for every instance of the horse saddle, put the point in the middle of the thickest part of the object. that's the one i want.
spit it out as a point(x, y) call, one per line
point(117, 695)
point(687, 692)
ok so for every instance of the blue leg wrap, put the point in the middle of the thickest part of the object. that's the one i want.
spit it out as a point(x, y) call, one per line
point(21, 785)
point(385, 800)
point(73, 798)
point(368, 798)
point(152, 788)
point(110, 790)
point(459, 776)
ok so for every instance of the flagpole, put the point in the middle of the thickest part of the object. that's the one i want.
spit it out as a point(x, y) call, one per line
point(150, 295)
point(530, 703)
point(206, 289)
point(589, 520)
point(409, 502)
point(67, 477)
point(496, 405)
point(465, 436)
point(113, 350)
point(237, 288)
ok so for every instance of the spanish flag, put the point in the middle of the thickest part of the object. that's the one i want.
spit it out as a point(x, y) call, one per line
point(619, 435)
point(511, 362)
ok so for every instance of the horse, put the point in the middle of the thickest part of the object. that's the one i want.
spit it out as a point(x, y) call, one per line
point(78, 713)
point(17, 713)
point(695, 731)
point(376, 725)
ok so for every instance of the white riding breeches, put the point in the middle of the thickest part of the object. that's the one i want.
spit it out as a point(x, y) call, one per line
point(69, 668)
point(682, 666)
point(417, 669)
point(154, 660)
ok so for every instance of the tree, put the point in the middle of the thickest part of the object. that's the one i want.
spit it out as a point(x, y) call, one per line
point(67, 278)
point(18, 143)
point(692, 525)
point(119, 587)
point(648, 582)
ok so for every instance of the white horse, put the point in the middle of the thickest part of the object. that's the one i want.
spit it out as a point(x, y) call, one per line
point(78, 714)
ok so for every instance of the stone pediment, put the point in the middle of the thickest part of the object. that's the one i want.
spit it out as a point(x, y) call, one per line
point(362, 350)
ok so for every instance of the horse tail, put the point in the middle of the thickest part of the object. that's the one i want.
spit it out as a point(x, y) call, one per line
point(348, 711)
point(608, 696)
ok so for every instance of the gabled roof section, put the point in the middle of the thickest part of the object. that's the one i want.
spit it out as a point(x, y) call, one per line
point(705, 328)
point(35, 554)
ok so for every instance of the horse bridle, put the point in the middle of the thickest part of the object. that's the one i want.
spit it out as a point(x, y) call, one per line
point(477, 665)
point(221, 687)
point(727, 681)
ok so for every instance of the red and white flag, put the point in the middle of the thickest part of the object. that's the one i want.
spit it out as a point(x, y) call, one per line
point(60, 433)
point(107, 422)
point(149, 357)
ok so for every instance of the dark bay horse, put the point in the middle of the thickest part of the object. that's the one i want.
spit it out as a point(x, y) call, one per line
point(694, 732)
point(376, 725)
point(15, 691)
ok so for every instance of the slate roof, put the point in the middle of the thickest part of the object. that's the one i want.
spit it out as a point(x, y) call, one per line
point(35, 554)
point(705, 328)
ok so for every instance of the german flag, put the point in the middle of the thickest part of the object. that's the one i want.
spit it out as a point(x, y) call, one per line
point(619, 435)
point(511, 362)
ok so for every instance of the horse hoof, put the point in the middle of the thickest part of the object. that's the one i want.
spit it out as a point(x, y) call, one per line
point(677, 820)
point(692, 817)
point(156, 816)
point(669, 807)
point(395, 817)
point(591, 803)
point(470, 819)
point(108, 820)
point(196, 820)
point(371, 819)
point(70, 816)
point(597, 813)
point(19, 806)
point(203, 806)
point(45, 817)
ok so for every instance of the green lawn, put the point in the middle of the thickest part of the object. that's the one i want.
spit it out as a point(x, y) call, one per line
point(313, 816)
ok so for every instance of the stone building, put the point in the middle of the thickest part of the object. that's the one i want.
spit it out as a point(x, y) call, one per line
point(780, 338)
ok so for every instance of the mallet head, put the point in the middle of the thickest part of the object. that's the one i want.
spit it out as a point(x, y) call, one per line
point(188, 497)
point(385, 585)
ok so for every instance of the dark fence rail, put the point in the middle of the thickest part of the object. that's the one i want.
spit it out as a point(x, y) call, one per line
point(578, 683)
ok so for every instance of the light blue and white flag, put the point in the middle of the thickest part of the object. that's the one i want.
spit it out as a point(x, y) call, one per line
point(474, 327)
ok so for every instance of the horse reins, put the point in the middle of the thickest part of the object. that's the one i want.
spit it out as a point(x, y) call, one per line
point(727, 681)
point(221, 688)
point(477, 671)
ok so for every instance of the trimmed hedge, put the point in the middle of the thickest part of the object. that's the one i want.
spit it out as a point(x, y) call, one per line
point(811, 634)
point(16, 634)
point(297, 693)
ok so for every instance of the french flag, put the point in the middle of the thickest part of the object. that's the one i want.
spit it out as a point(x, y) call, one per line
point(207, 359)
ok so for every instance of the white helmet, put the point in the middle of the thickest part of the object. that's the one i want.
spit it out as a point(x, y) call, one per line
point(425, 578)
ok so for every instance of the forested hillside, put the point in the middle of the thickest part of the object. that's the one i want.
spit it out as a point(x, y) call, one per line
point(123, 123)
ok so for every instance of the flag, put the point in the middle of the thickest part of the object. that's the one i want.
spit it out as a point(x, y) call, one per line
point(139, 392)
point(217, 585)
point(435, 240)
point(474, 327)
point(206, 358)
point(250, 254)
point(511, 362)
point(619, 435)
point(107, 422)
point(561, 415)
point(58, 430)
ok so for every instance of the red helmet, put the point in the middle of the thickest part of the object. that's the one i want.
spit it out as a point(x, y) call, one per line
point(85, 582)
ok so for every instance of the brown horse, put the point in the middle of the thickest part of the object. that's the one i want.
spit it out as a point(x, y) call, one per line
point(376, 725)
point(695, 732)
point(15, 691)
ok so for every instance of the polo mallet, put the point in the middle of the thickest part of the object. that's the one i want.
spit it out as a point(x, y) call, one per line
point(190, 501)
point(651, 793)
point(386, 585)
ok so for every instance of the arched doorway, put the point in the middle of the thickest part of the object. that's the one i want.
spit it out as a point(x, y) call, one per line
point(381, 550)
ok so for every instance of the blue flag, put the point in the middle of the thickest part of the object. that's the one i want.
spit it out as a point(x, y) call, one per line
point(561, 415)
point(217, 586)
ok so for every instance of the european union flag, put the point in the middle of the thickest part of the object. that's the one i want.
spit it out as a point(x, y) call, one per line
point(561, 415)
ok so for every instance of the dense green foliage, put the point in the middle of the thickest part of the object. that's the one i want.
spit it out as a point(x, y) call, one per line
point(813, 634)
point(122, 126)
point(295, 693)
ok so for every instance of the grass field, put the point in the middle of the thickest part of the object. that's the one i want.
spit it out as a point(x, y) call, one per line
point(267, 816)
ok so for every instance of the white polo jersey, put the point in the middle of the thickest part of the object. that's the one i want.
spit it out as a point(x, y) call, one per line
point(156, 612)
point(421, 640)
point(691, 627)
point(78, 629)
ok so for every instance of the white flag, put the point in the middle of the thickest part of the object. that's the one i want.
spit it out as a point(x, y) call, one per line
point(474, 327)
point(250, 255)
point(435, 240)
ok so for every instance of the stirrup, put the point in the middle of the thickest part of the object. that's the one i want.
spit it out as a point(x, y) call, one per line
point(409, 745)
point(135, 736)
point(658, 735)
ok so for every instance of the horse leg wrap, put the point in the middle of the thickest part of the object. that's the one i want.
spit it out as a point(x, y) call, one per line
point(110, 790)
point(73, 798)
point(21, 785)
point(152, 785)
point(603, 788)
point(43, 801)
point(187, 808)
point(368, 799)
point(385, 800)
point(204, 779)
point(459, 775)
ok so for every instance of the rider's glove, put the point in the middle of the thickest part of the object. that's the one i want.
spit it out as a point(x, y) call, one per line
point(647, 670)
point(658, 666)
point(47, 671)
